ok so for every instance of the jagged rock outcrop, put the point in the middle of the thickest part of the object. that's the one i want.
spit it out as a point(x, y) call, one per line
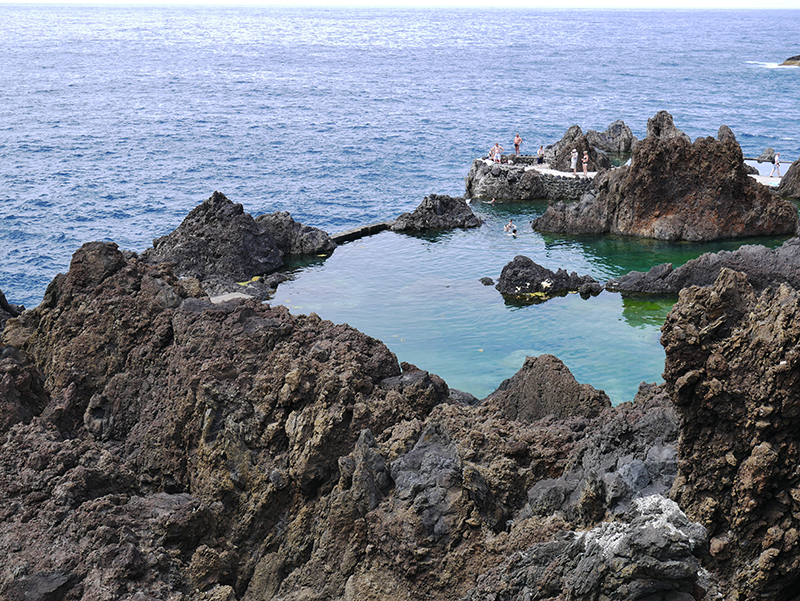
point(7, 310)
point(732, 372)
point(437, 212)
point(559, 155)
point(675, 190)
point(544, 386)
point(790, 182)
point(649, 554)
point(226, 250)
point(487, 180)
point(616, 139)
point(764, 267)
point(792, 61)
point(525, 279)
point(632, 455)
point(293, 238)
point(662, 127)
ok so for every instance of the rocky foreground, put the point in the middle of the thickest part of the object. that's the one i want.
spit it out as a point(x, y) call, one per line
point(155, 445)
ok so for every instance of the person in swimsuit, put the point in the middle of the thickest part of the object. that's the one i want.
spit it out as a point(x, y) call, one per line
point(573, 163)
point(540, 154)
point(585, 161)
point(517, 142)
point(496, 152)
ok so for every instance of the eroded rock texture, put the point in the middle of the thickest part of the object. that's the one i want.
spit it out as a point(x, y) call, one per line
point(437, 212)
point(790, 182)
point(676, 190)
point(732, 371)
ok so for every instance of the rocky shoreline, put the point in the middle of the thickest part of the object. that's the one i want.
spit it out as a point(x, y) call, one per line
point(157, 445)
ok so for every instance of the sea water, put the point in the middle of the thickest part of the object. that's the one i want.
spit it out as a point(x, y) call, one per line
point(116, 121)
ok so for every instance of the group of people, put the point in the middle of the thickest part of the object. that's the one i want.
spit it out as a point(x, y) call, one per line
point(496, 151)
point(573, 163)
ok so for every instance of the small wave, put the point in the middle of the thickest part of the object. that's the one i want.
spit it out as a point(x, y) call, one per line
point(772, 65)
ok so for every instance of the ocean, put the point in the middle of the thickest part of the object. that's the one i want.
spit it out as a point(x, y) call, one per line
point(116, 121)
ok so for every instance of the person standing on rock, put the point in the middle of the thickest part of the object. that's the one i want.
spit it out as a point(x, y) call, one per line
point(573, 163)
point(585, 161)
point(776, 164)
point(540, 154)
point(496, 152)
point(517, 142)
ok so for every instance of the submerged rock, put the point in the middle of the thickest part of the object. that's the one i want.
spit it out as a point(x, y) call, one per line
point(764, 267)
point(675, 190)
point(437, 212)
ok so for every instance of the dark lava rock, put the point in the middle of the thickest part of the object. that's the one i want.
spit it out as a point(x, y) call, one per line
point(487, 180)
point(676, 190)
point(763, 266)
point(295, 239)
point(790, 182)
point(217, 238)
point(437, 212)
point(732, 371)
point(559, 155)
point(650, 553)
point(768, 156)
point(616, 139)
point(228, 251)
point(792, 61)
point(544, 386)
point(7, 310)
point(524, 279)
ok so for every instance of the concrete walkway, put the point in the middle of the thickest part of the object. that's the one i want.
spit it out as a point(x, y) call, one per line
point(772, 182)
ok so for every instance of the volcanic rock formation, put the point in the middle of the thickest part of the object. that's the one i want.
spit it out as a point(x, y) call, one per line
point(763, 266)
point(525, 279)
point(790, 182)
point(676, 190)
point(437, 212)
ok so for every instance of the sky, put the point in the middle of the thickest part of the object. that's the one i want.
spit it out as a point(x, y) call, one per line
point(572, 4)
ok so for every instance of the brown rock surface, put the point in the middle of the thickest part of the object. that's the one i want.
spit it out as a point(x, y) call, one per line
point(732, 372)
point(676, 190)
point(790, 182)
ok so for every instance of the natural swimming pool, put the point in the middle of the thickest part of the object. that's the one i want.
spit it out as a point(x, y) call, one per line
point(421, 295)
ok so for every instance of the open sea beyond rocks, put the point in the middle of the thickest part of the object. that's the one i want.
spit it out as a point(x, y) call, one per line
point(117, 121)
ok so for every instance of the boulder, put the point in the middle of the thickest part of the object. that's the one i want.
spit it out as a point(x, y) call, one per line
point(295, 239)
point(616, 139)
point(437, 212)
point(764, 267)
point(652, 553)
point(525, 279)
point(559, 155)
point(217, 238)
point(7, 310)
point(662, 127)
point(790, 182)
point(633, 454)
point(487, 180)
point(675, 190)
point(731, 371)
point(768, 156)
point(228, 251)
point(792, 61)
point(545, 386)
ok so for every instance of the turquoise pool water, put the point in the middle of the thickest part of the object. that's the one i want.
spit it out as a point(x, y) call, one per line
point(421, 295)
